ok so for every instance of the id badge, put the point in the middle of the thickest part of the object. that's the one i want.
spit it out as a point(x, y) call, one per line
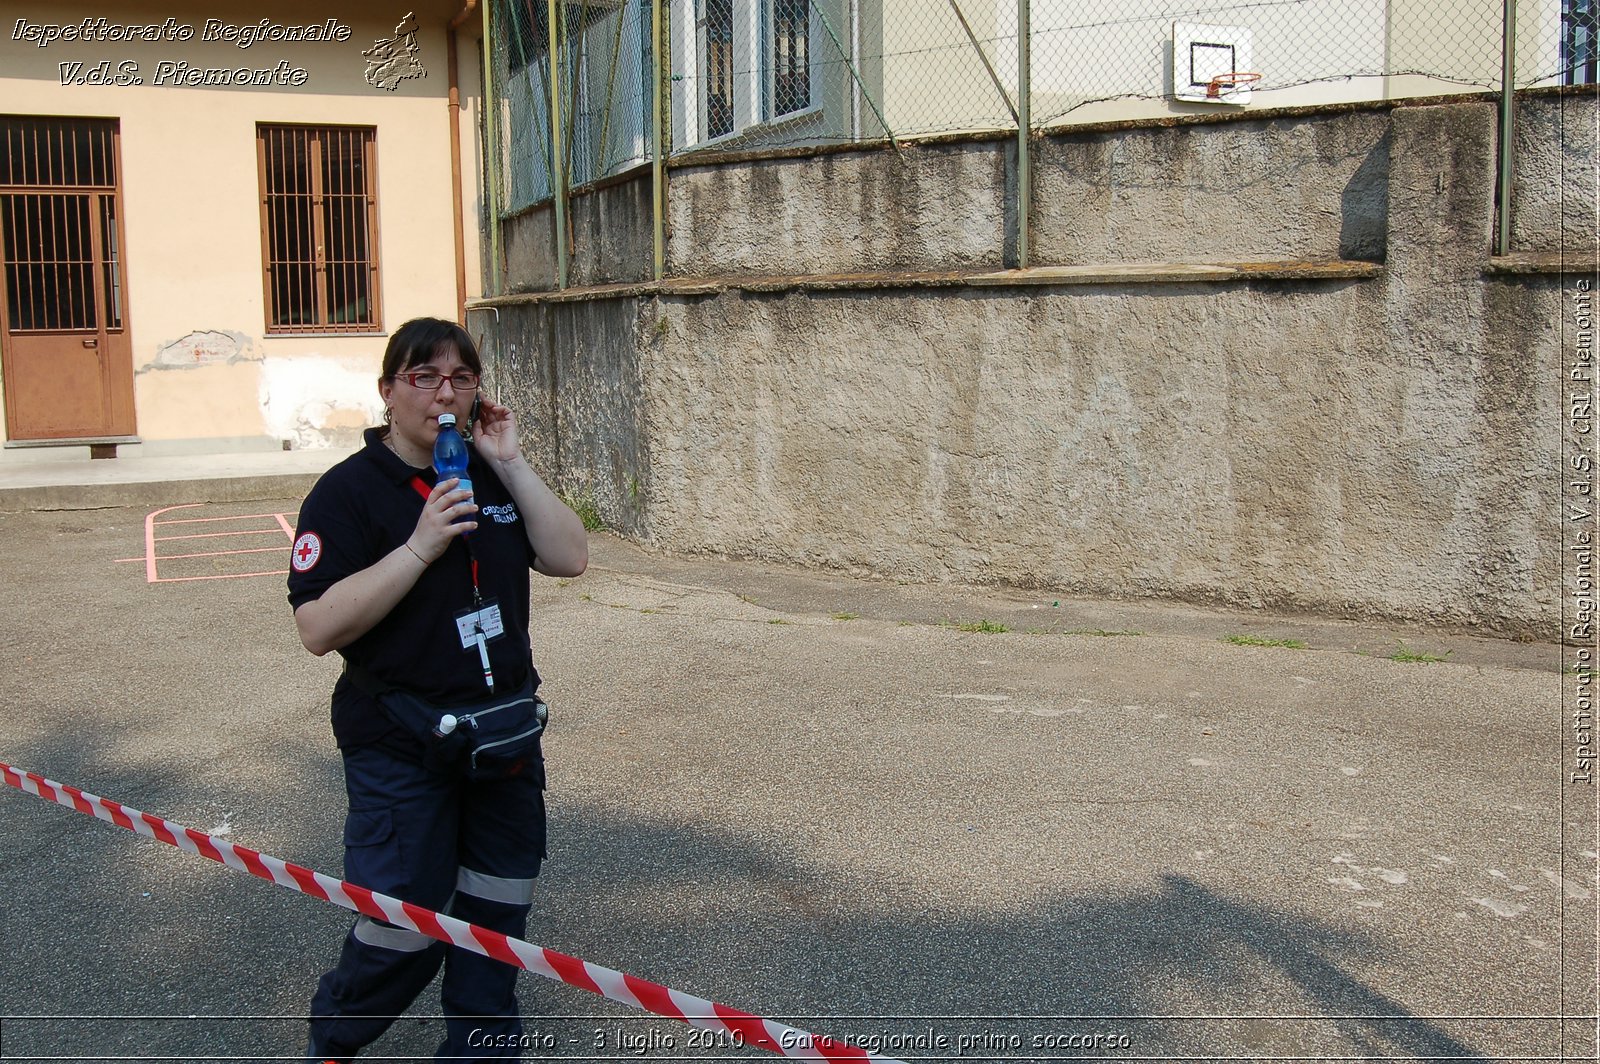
point(485, 622)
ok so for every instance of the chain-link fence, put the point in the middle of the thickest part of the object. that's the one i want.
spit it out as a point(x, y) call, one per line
point(755, 74)
point(601, 90)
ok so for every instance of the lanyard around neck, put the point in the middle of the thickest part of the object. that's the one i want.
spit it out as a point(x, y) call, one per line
point(422, 488)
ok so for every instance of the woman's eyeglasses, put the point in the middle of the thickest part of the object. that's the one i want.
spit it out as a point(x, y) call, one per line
point(428, 381)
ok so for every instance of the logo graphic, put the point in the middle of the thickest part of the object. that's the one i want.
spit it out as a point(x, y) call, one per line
point(389, 62)
point(307, 549)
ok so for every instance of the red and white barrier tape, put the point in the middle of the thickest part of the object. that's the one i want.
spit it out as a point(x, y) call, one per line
point(748, 1029)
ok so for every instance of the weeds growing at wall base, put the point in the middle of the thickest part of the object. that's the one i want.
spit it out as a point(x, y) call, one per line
point(1405, 653)
point(1262, 641)
point(586, 508)
point(987, 626)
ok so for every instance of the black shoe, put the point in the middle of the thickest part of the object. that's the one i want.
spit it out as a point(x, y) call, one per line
point(313, 1055)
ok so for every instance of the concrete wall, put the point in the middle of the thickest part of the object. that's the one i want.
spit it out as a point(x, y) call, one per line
point(207, 376)
point(611, 238)
point(1557, 171)
point(1379, 447)
point(925, 208)
point(1294, 188)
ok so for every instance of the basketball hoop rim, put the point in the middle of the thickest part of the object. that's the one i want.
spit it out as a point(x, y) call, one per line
point(1233, 79)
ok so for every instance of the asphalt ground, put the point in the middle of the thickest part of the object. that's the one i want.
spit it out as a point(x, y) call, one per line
point(854, 806)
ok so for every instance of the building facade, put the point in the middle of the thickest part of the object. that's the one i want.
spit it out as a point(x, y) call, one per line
point(212, 224)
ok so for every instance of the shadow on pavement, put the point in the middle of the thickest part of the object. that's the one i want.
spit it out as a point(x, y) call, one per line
point(150, 931)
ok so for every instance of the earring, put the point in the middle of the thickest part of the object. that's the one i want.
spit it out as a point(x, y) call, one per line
point(388, 415)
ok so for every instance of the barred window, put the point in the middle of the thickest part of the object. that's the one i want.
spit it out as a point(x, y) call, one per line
point(753, 60)
point(789, 55)
point(58, 204)
point(719, 68)
point(319, 228)
point(1580, 41)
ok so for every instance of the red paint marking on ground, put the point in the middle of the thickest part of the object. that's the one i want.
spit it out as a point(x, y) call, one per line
point(220, 535)
point(215, 520)
point(210, 554)
point(218, 576)
point(150, 538)
point(279, 525)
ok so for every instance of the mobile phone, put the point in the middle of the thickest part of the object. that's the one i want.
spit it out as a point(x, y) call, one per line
point(472, 415)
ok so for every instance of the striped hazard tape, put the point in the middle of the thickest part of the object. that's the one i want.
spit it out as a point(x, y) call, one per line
point(745, 1028)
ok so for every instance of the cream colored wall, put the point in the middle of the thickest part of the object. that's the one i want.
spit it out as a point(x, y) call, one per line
point(192, 212)
point(1473, 53)
point(933, 79)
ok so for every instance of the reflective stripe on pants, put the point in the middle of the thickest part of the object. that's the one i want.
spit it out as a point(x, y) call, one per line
point(436, 841)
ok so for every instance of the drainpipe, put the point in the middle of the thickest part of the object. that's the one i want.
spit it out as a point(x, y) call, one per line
point(1508, 101)
point(455, 160)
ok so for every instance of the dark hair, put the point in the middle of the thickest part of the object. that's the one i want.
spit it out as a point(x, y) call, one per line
point(421, 338)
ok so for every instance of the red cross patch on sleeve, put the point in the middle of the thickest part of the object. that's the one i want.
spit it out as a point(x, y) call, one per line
point(307, 549)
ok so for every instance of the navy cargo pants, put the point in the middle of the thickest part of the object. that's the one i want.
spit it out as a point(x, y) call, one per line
point(468, 848)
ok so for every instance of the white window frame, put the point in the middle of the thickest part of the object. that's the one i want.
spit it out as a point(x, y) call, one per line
point(769, 45)
point(753, 92)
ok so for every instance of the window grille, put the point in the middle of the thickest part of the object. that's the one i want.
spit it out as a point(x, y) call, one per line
point(49, 262)
point(319, 228)
point(719, 67)
point(50, 235)
point(791, 56)
point(56, 152)
point(1580, 42)
point(111, 267)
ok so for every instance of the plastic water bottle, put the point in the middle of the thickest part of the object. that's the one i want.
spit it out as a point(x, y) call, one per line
point(450, 453)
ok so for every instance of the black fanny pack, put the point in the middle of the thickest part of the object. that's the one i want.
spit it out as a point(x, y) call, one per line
point(493, 738)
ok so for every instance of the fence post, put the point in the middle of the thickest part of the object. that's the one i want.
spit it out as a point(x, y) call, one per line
point(658, 162)
point(491, 162)
point(1508, 102)
point(1024, 124)
point(558, 176)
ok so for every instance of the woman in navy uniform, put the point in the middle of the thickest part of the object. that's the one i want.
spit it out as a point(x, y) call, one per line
point(381, 571)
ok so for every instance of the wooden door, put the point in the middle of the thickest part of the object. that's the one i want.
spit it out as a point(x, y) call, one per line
point(68, 359)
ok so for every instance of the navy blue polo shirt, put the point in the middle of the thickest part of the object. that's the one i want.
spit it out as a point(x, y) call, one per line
point(364, 508)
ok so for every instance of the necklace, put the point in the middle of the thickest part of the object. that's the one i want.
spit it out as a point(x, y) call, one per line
point(388, 441)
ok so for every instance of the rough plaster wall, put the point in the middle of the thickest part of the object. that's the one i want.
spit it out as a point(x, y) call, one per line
point(1080, 442)
point(1553, 192)
point(1369, 448)
point(1477, 362)
point(1302, 188)
point(519, 373)
point(612, 234)
point(205, 347)
point(294, 392)
point(922, 208)
point(570, 371)
point(602, 451)
point(529, 251)
point(612, 240)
